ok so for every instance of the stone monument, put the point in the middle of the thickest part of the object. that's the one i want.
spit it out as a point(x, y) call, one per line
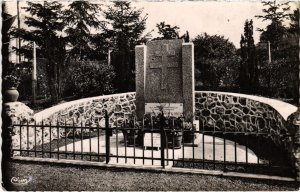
point(165, 78)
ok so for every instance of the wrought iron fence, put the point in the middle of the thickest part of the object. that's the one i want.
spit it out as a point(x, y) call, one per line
point(162, 142)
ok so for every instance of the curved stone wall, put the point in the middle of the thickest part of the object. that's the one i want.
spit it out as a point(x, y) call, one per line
point(91, 111)
point(245, 113)
point(242, 112)
point(215, 109)
point(85, 112)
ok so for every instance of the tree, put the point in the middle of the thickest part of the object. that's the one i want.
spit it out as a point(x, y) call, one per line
point(167, 31)
point(294, 26)
point(276, 13)
point(7, 21)
point(101, 45)
point(216, 62)
point(124, 25)
point(279, 75)
point(19, 24)
point(123, 28)
point(80, 17)
point(43, 26)
point(248, 77)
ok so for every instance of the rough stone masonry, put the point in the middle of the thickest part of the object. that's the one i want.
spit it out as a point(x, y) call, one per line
point(165, 77)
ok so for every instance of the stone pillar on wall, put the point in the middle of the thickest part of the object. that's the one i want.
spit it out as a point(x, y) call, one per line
point(12, 113)
point(140, 70)
point(188, 80)
point(17, 111)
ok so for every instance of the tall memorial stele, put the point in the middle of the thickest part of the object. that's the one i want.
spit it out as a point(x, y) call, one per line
point(165, 78)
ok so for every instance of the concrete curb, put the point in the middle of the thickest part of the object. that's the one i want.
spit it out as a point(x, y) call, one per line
point(154, 168)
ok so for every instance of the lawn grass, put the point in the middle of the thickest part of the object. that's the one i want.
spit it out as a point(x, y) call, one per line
point(62, 177)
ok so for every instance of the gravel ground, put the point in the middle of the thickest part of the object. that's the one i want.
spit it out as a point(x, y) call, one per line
point(62, 177)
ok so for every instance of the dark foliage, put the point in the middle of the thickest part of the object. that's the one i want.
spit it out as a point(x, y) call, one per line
point(45, 22)
point(7, 21)
point(248, 76)
point(81, 17)
point(123, 28)
point(167, 31)
point(87, 79)
point(216, 62)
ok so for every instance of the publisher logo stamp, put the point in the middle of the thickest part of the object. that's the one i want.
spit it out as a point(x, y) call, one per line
point(21, 180)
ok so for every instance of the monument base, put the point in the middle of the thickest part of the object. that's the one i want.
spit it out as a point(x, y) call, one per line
point(152, 140)
point(190, 144)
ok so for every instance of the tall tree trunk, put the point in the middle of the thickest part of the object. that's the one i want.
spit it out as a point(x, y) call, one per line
point(19, 25)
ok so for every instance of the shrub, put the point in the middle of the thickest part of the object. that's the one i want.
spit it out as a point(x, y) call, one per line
point(10, 81)
point(89, 78)
point(23, 72)
point(280, 79)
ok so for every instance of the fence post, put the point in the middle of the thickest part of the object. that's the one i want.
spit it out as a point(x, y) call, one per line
point(162, 140)
point(107, 138)
point(7, 148)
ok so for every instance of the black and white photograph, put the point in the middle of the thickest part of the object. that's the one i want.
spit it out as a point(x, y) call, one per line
point(150, 95)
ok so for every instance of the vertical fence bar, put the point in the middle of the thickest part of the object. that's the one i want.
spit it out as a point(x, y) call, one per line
point(246, 134)
point(50, 140)
point(166, 141)
point(20, 138)
point(269, 147)
point(74, 156)
point(65, 138)
point(235, 150)
point(162, 141)
point(107, 136)
point(98, 141)
point(27, 138)
point(117, 142)
point(134, 121)
point(200, 132)
point(143, 132)
point(125, 129)
point(90, 141)
point(193, 131)
point(247, 152)
point(224, 139)
point(182, 132)
point(42, 139)
point(58, 152)
point(173, 140)
point(224, 163)
point(258, 142)
point(35, 139)
point(152, 141)
point(214, 147)
point(81, 138)
point(162, 152)
point(58, 126)
point(203, 150)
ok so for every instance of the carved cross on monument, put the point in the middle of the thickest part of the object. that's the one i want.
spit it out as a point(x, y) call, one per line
point(164, 63)
point(165, 72)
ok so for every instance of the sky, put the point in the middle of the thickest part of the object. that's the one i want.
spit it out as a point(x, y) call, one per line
point(225, 18)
